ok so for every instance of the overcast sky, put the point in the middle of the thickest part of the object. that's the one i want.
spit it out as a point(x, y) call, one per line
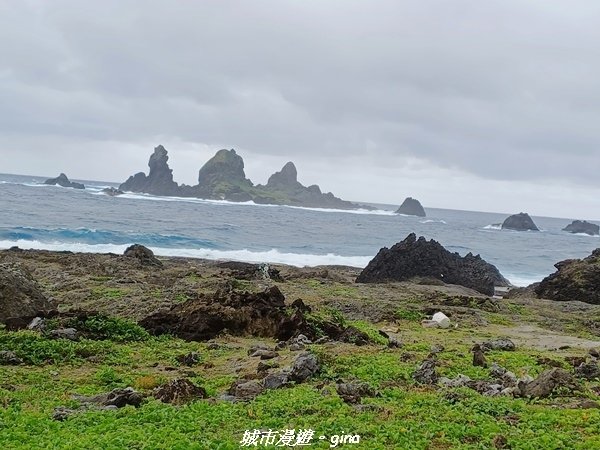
point(485, 105)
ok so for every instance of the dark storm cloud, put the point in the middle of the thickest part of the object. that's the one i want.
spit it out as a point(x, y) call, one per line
point(503, 89)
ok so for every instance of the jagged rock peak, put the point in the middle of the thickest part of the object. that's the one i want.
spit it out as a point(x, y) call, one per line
point(226, 165)
point(287, 176)
point(63, 180)
point(158, 160)
point(519, 222)
point(411, 207)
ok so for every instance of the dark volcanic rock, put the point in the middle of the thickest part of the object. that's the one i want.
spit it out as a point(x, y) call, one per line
point(143, 254)
point(178, 392)
point(223, 177)
point(240, 313)
point(112, 192)
point(21, 299)
point(519, 222)
point(411, 207)
point(579, 226)
point(286, 179)
point(421, 258)
point(159, 180)
point(63, 181)
point(575, 279)
point(547, 382)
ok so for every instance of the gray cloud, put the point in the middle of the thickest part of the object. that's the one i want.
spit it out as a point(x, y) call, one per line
point(502, 90)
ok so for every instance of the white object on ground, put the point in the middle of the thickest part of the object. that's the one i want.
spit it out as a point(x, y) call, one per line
point(442, 319)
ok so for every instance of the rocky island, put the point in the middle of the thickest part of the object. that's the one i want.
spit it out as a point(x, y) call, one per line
point(411, 207)
point(584, 227)
point(63, 180)
point(519, 222)
point(223, 178)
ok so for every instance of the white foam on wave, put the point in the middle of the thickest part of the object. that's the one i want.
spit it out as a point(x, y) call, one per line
point(523, 280)
point(433, 221)
point(136, 196)
point(587, 235)
point(493, 227)
point(271, 256)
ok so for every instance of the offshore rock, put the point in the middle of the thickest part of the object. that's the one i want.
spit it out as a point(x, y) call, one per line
point(159, 180)
point(519, 222)
point(421, 258)
point(584, 227)
point(63, 180)
point(575, 279)
point(411, 207)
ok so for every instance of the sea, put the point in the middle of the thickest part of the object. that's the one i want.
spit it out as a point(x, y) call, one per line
point(37, 216)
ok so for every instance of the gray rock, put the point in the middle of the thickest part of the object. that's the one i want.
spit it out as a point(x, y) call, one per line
point(297, 347)
point(9, 358)
point(547, 382)
point(62, 413)
point(411, 207)
point(460, 381)
point(426, 373)
point(246, 390)
point(189, 359)
point(256, 347)
point(519, 222)
point(354, 392)
point(63, 180)
point(178, 392)
point(584, 227)
point(275, 380)
point(37, 324)
point(264, 354)
point(64, 333)
point(21, 298)
point(143, 254)
point(305, 366)
point(588, 371)
point(117, 397)
point(503, 344)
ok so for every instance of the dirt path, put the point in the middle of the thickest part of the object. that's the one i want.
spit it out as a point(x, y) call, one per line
point(539, 338)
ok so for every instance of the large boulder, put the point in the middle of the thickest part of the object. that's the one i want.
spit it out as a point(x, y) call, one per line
point(143, 254)
point(519, 222)
point(421, 258)
point(21, 299)
point(159, 180)
point(584, 227)
point(575, 279)
point(239, 313)
point(63, 180)
point(411, 207)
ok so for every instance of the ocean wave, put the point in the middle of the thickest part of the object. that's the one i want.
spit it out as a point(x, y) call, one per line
point(139, 196)
point(523, 280)
point(271, 256)
point(494, 226)
point(433, 221)
point(92, 236)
